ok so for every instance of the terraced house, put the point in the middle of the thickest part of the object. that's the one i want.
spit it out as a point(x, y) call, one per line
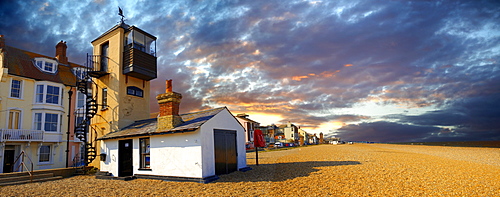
point(36, 96)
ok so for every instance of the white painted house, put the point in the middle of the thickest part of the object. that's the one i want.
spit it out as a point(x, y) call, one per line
point(190, 147)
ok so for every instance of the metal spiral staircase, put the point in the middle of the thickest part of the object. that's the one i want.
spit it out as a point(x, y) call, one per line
point(84, 131)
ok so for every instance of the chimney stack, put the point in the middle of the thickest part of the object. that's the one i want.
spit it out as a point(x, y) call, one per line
point(2, 42)
point(61, 52)
point(169, 108)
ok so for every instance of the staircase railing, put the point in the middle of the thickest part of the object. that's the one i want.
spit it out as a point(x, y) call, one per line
point(22, 165)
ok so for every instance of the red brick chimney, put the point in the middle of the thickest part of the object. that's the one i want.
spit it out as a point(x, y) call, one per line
point(169, 108)
point(61, 52)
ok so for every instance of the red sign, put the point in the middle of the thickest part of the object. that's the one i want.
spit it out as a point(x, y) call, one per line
point(258, 139)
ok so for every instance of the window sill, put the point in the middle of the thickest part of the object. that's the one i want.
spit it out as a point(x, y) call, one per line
point(104, 108)
point(145, 169)
point(45, 163)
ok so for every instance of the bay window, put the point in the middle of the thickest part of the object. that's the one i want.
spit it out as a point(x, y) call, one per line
point(48, 94)
point(49, 122)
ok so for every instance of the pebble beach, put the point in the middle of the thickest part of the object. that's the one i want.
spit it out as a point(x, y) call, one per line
point(322, 170)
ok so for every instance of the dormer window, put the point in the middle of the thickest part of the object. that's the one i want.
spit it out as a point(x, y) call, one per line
point(46, 65)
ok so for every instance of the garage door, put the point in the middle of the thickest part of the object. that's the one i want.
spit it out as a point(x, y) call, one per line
point(225, 151)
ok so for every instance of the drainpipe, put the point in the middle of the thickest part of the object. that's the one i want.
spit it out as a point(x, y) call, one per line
point(70, 93)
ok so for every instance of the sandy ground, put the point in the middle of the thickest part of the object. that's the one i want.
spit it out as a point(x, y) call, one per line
point(324, 170)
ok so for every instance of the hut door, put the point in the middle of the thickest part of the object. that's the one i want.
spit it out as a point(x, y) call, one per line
point(125, 167)
point(225, 151)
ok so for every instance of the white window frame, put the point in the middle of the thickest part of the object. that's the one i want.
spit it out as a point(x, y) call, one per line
point(43, 121)
point(45, 86)
point(41, 64)
point(80, 72)
point(20, 88)
point(50, 154)
point(8, 120)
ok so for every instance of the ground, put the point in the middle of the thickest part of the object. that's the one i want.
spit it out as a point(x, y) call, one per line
point(323, 170)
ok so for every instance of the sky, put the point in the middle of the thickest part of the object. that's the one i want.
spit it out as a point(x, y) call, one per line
point(361, 70)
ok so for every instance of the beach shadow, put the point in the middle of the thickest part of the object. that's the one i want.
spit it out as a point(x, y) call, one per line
point(280, 171)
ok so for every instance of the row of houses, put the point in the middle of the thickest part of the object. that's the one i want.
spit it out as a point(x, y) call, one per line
point(59, 114)
point(288, 133)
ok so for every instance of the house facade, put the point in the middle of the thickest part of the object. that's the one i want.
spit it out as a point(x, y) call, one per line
point(250, 126)
point(35, 105)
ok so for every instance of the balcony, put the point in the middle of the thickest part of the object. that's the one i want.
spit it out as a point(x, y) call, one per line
point(27, 135)
point(139, 64)
point(97, 65)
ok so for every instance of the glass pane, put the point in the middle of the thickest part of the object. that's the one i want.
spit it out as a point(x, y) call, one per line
point(52, 94)
point(51, 122)
point(39, 93)
point(48, 66)
point(38, 121)
point(80, 102)
point(15, 90)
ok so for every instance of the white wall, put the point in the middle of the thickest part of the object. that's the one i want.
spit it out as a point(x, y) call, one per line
point(223, 120)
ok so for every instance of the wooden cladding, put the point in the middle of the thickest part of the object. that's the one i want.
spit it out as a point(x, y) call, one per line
point(139, 64)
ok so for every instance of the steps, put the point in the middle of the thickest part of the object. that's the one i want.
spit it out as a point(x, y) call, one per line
point(24, 177)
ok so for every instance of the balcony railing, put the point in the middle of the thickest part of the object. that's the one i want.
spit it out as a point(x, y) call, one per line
point(21, 135)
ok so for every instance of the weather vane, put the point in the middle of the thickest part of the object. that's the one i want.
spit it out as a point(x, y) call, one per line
point(120, 13)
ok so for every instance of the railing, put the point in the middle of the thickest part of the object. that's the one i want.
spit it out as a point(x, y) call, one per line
point(21, 135)
point(22, 165)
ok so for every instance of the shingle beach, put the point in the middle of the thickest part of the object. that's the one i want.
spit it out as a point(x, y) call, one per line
point(323, 170)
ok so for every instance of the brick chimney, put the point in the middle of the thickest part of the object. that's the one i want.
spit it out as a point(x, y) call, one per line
point(169, 108)
point(2, 42)
point(61, 52)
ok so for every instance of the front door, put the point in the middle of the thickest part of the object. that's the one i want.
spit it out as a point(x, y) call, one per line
point(8, 160)
point(125, 167)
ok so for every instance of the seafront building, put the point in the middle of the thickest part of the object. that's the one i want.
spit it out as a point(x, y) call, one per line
point(37, 105)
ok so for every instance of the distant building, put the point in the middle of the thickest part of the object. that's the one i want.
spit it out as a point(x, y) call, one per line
point(250, 126)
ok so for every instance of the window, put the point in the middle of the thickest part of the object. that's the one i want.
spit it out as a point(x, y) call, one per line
point(104, 56)
point(134, 91)
point(80, 100)
point(14, 119)
point(46, 121)
point(136, 39)
point(44, 154)
point(104, 98)
point(80, 72)
point(48, 94)
point(144, 152)
point(46, 65)
point(15, 88)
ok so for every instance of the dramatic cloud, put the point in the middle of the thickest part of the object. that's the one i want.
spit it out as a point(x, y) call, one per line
point(369, 70)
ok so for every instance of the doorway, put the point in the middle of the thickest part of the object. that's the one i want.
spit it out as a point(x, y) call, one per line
point(125, 166)
point(225, 151)
point(8, 159)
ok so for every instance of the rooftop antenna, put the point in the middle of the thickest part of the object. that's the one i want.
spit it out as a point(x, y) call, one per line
point(120, 13)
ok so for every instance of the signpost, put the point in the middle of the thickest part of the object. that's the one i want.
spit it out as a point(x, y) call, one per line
point(258, 141)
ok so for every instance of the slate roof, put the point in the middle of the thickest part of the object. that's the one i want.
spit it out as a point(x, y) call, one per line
point(192, 122)
point(21, 63)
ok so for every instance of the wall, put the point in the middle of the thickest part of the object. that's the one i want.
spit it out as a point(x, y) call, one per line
point(223, 120)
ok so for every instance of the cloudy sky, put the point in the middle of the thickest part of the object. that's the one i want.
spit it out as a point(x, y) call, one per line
point(379, 70)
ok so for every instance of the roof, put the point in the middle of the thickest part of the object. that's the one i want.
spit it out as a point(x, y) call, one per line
point(126, 28)
point(246, 119)
point(192, 122)
point(20, 63)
